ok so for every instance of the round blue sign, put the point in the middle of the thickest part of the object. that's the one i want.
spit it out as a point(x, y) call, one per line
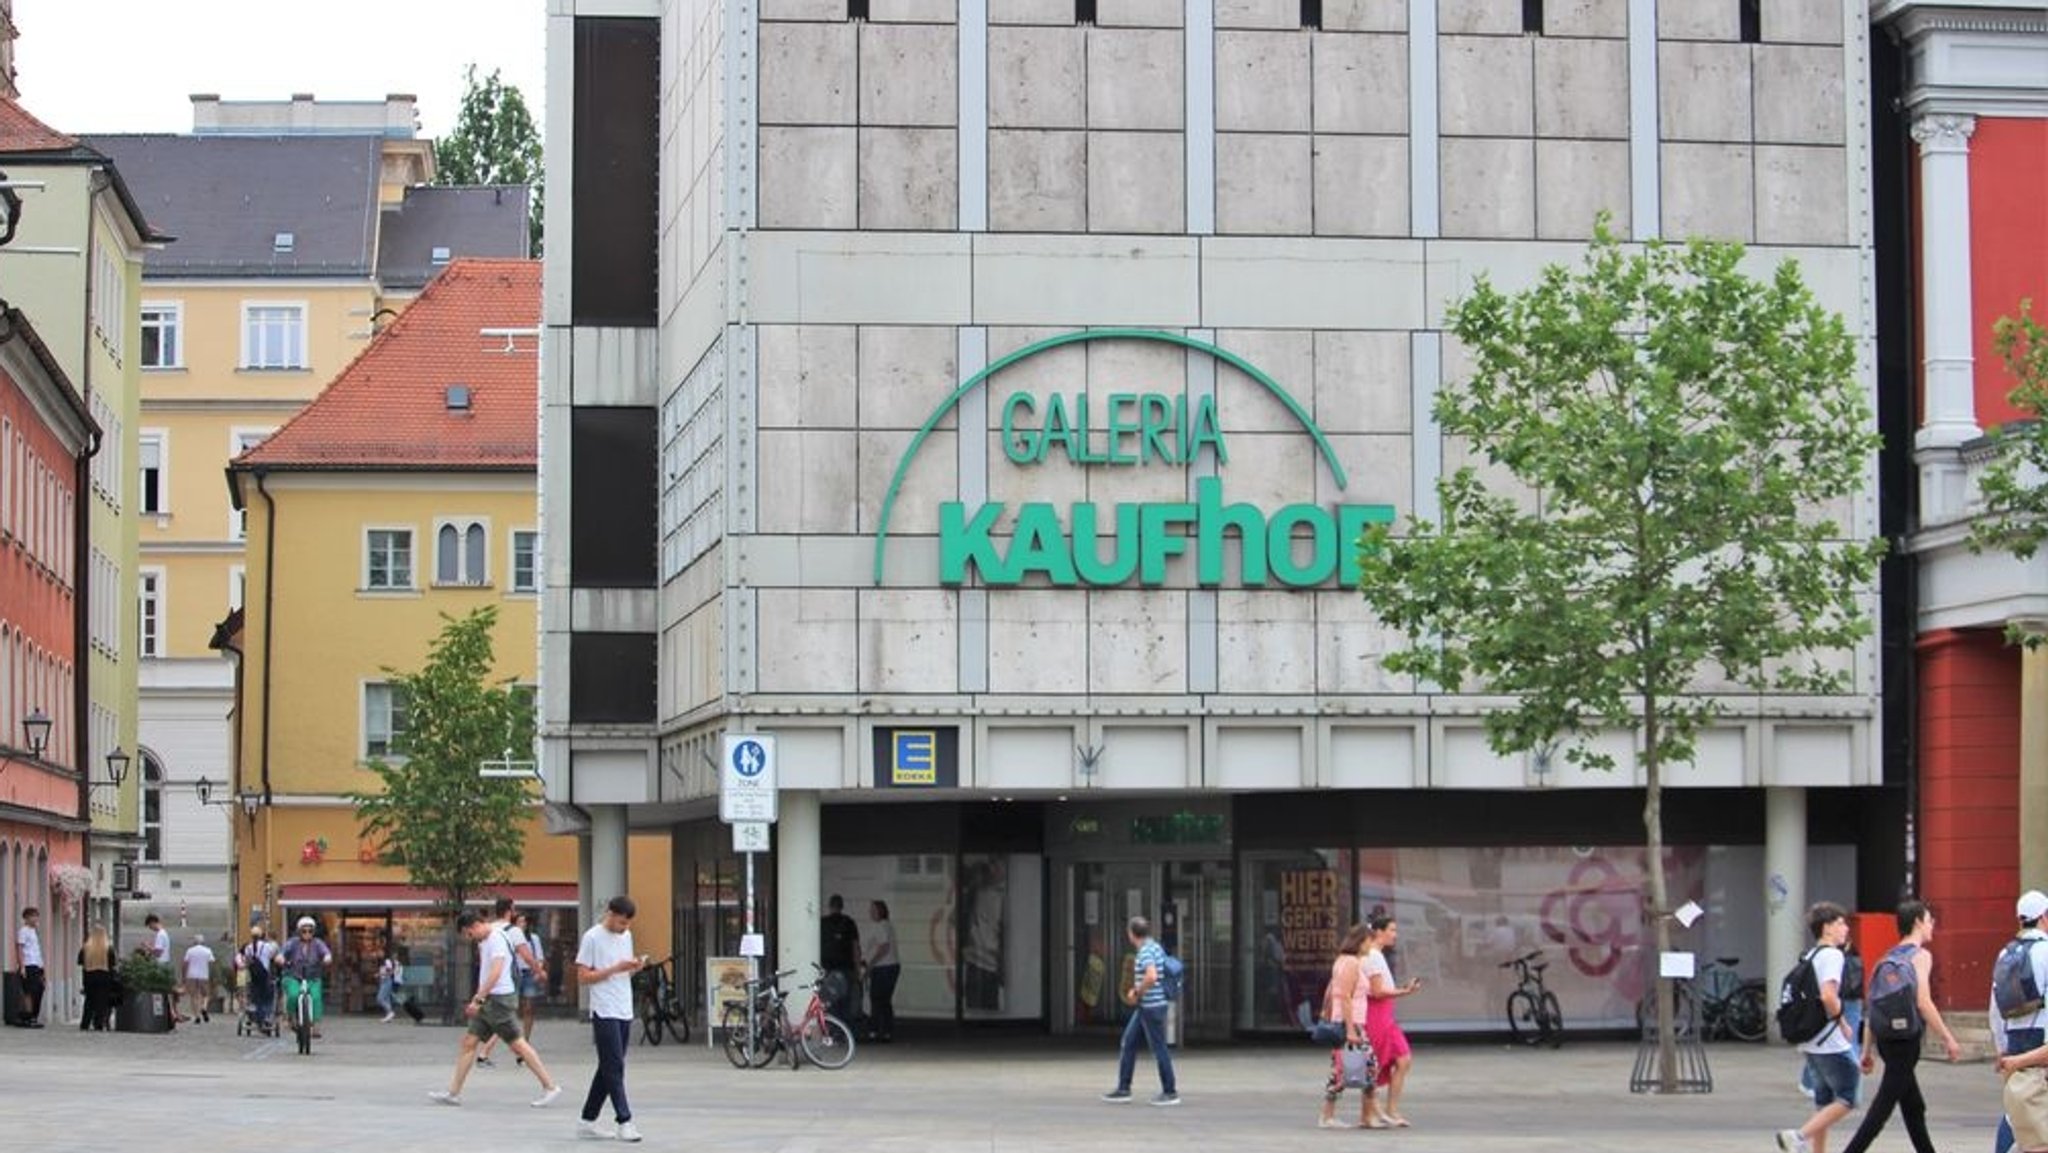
point(749, 759)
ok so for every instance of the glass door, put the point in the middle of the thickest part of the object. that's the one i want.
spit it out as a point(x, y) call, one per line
point(1195, 925)
point(1102, 896)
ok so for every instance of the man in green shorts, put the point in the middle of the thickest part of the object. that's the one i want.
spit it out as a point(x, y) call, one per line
point(494, 1011)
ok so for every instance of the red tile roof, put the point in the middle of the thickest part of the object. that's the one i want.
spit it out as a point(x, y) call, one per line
point(21, 132)
point(390, 409)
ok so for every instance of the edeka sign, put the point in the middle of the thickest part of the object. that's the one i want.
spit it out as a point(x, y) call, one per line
point(1297, 545)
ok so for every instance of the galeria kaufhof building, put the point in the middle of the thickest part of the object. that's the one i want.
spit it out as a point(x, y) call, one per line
point(981, 397)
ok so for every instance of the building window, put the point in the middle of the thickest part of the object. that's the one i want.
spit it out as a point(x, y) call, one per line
point(151, 608)
point(273, 336)
point(388, 563)
point(384, 721)
point(525, 561)
point(238, 586)
point(152, 809)
point(460, 547)
point(241, 440)
point(155, 496)
point(163, 338)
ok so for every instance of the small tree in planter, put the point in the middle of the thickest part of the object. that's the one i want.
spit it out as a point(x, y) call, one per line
point(146, 989)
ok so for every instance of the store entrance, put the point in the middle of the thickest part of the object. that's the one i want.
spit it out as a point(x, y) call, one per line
point(1189, 904)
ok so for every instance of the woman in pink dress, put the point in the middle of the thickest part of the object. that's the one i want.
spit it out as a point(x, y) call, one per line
point(1380, 1026)
point(1345, 1000)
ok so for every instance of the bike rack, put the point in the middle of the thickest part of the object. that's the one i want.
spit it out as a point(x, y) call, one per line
point(1691, 1073)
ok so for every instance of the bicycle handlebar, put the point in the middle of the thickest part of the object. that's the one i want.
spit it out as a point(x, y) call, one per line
point(1522, 960)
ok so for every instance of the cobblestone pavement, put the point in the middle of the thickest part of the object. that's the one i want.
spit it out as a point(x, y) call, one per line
point(364, 1089)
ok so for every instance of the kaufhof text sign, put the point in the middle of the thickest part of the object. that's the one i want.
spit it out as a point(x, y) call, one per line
point(998, 544)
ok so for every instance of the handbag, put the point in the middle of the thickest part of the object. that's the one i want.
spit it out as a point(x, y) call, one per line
point(1360, 1067)
point(1328, 1034)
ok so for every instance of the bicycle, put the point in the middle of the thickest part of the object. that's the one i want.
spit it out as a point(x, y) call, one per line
point(661, 1010)
point(1722, 1005)
point(819, 1037)
point(302, 1014)
point(1534, 1017)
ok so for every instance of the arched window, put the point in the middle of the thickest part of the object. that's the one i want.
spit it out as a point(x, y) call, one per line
point(473, 554)
point(152, 808)
point(461, 546)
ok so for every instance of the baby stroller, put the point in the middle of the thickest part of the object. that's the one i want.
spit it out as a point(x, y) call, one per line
point(259, 1005)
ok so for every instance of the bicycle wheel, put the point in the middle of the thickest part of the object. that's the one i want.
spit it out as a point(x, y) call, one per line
point(1553, 1020)
point(827, 1042)
point(1523, 1025)
point(678, 1024)
point(1745, 1017)
point(302, 1021)
point(1684, 1012)
point(738, 1038)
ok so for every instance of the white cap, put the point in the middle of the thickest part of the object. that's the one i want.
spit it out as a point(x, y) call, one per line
point(199, 938)
point(2033, 905)
point(306, 923)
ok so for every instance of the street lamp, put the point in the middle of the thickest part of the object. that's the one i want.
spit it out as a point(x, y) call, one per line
point(205, 790)
point(117, 771)
point(35, 729)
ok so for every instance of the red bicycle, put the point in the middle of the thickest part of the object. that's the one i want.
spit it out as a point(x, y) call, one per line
point(753, 1040)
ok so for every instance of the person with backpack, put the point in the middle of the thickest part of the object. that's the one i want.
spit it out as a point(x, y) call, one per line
point(2019, 1021)
point(1148, 999)
point(1810, 1016)
point(1898, 1009)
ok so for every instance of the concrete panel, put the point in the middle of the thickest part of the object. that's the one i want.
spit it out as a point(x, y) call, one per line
point(807, 73)
point(1281, 283)
point(1698, 20)
point(911, 12)
point(1136, 756)
point(1138, 13)
point(808, 177)
point(1512, 267)
point(1704, 91)
point(1361, 186)
point(1079, 280)
point(1721, 762)
point(909, 179)
point(1379, 469)
point(1799, 95)
point(907, 75)
point(1370, 757)
point(810, 758)
point(1020, 757)
point(929, 483)
point(904, 373)
point(1463, 760)
point(1051, 13)
point(1576, 180)
point(1352, 646)
point(1288, 357)
point(1134, 79)
point(1361, 84)
point(1036, 641)
point(1137, 642)
point(1708, 191)
point(1262, 81)
point(1801, 196)
point(1483, 17)
point(908, 641)
point(1814, 755)
point(807, 481)
point(610, 777)
point(1265, 643)
point(808, 641)
point(1259, 757)
point(1263, 184)
point(1362, 382)
point(1489, 189)
point(1037, 181)
point(614, 366)
point(814, 10)
point(1036, 76)
point(1365, 15)
point(1135, 182)
point(1802, 22)
point(1586, 18)
point(1484, 89)
point(1582, 88)
point(854, 278)
point(613, 610)
point(807, 376)
point(1621, 746)
point(1271, 469)
point(1271, 14)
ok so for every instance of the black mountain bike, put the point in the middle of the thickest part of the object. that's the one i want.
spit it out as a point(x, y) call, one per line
point(1719, 1003)
point(1534, 1017)
point(661, 1010)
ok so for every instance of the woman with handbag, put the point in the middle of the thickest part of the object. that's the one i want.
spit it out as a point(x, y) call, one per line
point(1352, 1064)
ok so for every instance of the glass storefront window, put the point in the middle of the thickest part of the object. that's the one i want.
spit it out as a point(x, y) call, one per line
point(1300, 908)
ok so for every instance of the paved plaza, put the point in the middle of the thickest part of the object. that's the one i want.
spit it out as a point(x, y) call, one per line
point(365, 1089)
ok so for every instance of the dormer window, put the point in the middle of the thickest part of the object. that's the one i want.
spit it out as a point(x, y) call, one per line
point(441, 255)
point(283, 242)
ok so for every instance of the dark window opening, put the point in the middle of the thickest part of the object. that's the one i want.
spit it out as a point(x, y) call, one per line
point(1532, 16)
point(1084, 11)
point(614, 173)
point(613, 509)
point(856, 9)
point(1311, 13)
point(1752, 20)
point(612, 678)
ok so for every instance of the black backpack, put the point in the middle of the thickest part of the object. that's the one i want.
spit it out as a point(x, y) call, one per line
point(1801, 1014)
point(1894, 1012)
point(2013, 987)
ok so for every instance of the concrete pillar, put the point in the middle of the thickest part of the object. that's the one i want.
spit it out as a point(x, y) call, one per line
point(798, 869)
point(1949, 404)
point(607, 857)
point(1785, 897)
point(2034, 768)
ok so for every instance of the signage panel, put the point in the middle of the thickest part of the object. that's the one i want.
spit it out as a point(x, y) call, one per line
point(923, 757)
point(746, 779)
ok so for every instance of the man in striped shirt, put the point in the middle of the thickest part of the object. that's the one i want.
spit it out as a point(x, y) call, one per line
point(1148, 1021)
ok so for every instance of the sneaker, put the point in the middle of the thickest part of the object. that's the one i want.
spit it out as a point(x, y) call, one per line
point(590, 1130)
point(440, 1098)
point(628, 1131)
point(387, 1019)
point(1791, 1141)
point(1165, 1099)
point(1117, 1095)
point(546, 1097)
point(483, 1060)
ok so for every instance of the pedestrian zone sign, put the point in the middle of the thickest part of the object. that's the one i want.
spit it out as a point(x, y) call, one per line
point(746, 779)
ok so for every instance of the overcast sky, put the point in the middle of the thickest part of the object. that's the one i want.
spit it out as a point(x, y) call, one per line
point(132, 65)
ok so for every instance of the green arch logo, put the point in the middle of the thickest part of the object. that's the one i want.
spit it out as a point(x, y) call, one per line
point(1155, 336)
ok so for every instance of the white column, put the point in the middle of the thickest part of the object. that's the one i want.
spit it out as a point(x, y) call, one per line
point(1948, 369)
point(607, 857)
point(798, 904)
point(1784, 895)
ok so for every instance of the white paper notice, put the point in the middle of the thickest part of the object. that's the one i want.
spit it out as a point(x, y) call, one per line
point(1676, 966)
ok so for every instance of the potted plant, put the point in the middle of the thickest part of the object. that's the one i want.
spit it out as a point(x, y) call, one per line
point(146, 989)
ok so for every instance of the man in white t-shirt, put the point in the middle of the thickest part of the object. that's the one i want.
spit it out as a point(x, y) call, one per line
point(28, 963)
point(527, 970)
point(1837, 1079)
point(2016, 1035)
point(199, 977)
point(494, 1011)
point(605, 965)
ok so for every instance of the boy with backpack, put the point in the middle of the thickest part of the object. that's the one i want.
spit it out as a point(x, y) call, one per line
point(1155, 981)
point(1810, 1016)
point(1898, 1009)
point(2019, 1022)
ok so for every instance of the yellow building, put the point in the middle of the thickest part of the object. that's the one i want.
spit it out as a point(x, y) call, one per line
point(406, 492)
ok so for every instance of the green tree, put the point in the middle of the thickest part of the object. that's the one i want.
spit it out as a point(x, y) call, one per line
point(494, 142)
point(457, 833)
point(1672, 429)
point(2015, 516)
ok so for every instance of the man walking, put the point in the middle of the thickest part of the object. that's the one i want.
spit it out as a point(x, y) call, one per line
point(1148, 1017)
point(505, 919)
point(1897, 1029)
point(199, 977)
point(494, 1011)
point(28, 962)
point(2019, 1021)
point(605, 964)
point(1836, 1079)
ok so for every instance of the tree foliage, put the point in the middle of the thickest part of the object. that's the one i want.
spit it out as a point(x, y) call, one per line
point(2015, 486)
point(1669, 431)
point(495, 141)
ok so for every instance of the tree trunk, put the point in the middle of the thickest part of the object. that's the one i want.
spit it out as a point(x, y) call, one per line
point(1659, 910)
point(459, 974)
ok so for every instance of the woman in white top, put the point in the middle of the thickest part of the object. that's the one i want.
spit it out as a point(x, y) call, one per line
point(884, 967)
point(1345, 1000)
point(1381, 1027)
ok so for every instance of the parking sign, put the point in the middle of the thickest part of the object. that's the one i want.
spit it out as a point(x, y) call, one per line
point(746, 784)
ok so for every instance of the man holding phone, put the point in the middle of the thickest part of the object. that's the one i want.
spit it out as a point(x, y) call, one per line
point(605, 965)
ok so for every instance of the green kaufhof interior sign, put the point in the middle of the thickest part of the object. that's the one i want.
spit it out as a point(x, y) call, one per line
point(996, 544)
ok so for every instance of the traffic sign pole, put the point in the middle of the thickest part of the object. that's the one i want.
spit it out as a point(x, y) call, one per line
point(748, 795)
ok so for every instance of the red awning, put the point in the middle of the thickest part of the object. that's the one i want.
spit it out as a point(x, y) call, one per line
point(379, 894)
